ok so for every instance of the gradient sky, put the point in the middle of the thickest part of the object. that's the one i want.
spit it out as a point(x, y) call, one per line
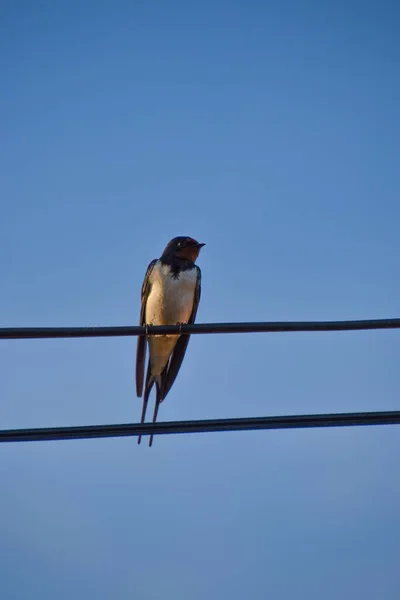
point(271, 132)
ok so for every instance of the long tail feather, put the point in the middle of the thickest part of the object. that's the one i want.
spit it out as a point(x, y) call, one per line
point(159, 399)
point(147, 390)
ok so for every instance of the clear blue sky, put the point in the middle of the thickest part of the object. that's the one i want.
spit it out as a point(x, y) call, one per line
point(271, 132)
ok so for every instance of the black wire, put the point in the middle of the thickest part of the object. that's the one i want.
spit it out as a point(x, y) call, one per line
point(206, 426)
point(261, 327)
point(243, 424)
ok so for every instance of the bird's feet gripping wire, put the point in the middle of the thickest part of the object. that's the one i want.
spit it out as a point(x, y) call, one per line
point(180, 327)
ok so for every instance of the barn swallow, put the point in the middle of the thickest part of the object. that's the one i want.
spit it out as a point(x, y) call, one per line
point(170, 296)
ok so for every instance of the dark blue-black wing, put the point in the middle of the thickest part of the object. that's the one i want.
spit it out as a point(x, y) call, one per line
point(141, 341)
point(171, 370)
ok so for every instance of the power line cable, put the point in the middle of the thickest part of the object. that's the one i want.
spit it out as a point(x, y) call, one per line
point(204, 426)
point(13, 333)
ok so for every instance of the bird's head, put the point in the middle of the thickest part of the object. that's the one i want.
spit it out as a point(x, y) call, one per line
point(183, 247)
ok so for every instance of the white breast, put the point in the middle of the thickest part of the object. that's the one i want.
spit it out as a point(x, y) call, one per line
point(170, 302)
point(171, 299)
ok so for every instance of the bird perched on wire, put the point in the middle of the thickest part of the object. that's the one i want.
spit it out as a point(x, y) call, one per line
point(170, 295)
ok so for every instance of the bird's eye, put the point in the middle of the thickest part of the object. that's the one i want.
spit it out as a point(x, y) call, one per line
point(179, 244)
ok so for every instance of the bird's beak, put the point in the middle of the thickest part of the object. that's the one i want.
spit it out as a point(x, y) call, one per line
point(198, 245)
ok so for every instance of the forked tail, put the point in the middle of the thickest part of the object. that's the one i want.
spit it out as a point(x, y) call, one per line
point(150, 381)
point(147, 389)
point(159, 399)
